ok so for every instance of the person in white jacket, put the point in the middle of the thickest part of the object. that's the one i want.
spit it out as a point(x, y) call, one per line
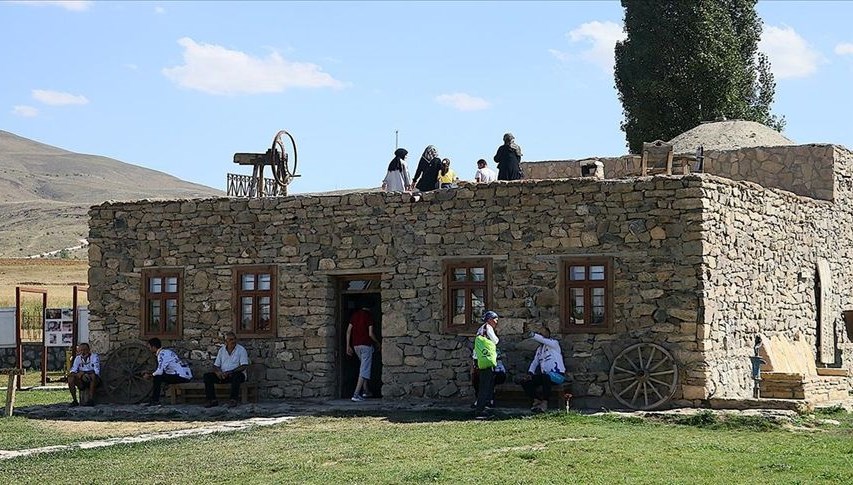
point(548, 358)
point(171, 369)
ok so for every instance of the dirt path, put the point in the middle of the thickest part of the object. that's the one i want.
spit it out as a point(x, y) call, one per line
point(222, 427)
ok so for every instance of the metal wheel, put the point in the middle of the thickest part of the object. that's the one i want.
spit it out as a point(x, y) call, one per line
point(283, 158)
point(122, 374)
point(643, 376)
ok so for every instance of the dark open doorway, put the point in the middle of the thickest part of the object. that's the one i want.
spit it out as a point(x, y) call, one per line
point(354, 293)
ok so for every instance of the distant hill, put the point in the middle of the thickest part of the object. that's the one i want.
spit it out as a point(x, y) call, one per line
point(46, 192)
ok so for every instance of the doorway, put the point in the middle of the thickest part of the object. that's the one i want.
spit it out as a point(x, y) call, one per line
point(356, 292)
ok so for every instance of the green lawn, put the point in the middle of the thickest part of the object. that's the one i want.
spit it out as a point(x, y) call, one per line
point(411, 448)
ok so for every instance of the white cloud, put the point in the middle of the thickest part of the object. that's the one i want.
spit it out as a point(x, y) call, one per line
point(560, 55)
point(844, 49)
point(214, 69)
point(790, 55)
point(58, 98)
point(159, 10)
point(25, 111)
point(601, 38)
point(463, 102)
point(74, 6)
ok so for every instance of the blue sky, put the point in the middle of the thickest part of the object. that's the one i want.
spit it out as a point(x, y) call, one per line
point(180, 86)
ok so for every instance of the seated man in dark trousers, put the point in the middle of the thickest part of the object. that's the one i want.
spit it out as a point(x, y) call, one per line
point(229, 367)
point(85, 374)
point(170, 369)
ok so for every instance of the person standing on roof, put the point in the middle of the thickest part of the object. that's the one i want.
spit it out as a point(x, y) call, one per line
point(484, 174)
point(397, 178)
point(429, 166)
point(508, 159)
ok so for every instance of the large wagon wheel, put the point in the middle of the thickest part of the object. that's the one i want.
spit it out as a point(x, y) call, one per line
point(122, 374)
point(283, 158)
point(643, 376)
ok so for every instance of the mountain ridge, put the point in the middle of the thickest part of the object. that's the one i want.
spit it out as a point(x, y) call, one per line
point(46, 192)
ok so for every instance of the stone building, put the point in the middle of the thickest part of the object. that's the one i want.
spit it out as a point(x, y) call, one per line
point(691, 267)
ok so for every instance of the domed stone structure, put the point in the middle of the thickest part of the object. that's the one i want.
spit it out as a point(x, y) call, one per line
point(728, 135)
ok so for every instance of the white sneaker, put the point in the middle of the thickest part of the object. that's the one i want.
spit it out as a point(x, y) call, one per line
point(357, 398)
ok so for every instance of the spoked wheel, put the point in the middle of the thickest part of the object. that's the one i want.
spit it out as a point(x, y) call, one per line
point(122, 374)
point(283, 158)
point(643, 376)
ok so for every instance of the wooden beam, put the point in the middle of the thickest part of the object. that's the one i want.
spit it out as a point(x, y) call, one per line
point(13, 374)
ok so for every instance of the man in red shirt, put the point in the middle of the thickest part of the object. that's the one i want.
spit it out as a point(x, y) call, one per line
point(360, 340)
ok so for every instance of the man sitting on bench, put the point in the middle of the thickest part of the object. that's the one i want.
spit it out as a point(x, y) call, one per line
point(170, 369)
point(85, 374)
point(229, 367)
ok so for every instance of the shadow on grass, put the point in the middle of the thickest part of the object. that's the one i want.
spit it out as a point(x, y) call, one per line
point(423, 416)
point(189, 412)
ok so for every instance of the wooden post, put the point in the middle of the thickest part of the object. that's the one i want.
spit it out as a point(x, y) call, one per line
point(13, 374)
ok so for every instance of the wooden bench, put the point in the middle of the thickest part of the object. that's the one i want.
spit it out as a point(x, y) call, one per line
point(193, 391)
point(13, 374)
point(514, 395)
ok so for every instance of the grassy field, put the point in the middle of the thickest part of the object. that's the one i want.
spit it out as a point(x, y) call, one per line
point(18, 433)
point(449, 448)
point(57, 276)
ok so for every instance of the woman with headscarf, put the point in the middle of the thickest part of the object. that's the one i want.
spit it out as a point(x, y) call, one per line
point(426, 176)
point(397, 179)
point(508, 159)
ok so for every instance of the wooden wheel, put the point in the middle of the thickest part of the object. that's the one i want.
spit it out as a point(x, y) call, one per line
point(643, 376)
point(122, 373)
point(283, 158)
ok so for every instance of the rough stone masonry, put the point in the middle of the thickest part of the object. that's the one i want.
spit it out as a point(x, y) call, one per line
point(701, 265)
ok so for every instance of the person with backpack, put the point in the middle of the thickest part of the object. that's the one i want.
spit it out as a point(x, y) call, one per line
point(485, 362)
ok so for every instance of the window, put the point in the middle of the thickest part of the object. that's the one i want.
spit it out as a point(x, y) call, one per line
point(161, 302)
point(587, 294)
point(255, 301)
point(468, 292)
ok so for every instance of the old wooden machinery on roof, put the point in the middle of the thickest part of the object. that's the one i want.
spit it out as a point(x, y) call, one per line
point(281, 157)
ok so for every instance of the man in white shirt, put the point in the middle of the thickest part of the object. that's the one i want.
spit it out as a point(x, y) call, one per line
point(484, 174)
point(85, 374)
point(229, 367)
point(170, 369)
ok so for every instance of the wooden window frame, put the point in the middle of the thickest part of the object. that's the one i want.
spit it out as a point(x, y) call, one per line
point(239, 293)
point(568, 326)
point(147, 296)
point(469, 327)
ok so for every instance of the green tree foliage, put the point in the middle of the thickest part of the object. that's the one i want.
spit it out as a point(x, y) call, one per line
point(688, 61)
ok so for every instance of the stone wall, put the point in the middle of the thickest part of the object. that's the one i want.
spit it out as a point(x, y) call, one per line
point(650, 227)
point(702, 265)
point(614, 168)
point(761, 251)
point(805, 170)
point(32, 357)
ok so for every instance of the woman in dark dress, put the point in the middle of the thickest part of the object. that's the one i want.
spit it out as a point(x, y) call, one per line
point(508, 159)
point(426, 176)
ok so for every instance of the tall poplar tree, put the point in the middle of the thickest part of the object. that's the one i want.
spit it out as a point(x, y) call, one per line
point(688, 61)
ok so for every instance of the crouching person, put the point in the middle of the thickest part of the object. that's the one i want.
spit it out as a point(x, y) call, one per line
point(85, 374)
point(229, 367)
point(170, 369)
point(547, 368)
